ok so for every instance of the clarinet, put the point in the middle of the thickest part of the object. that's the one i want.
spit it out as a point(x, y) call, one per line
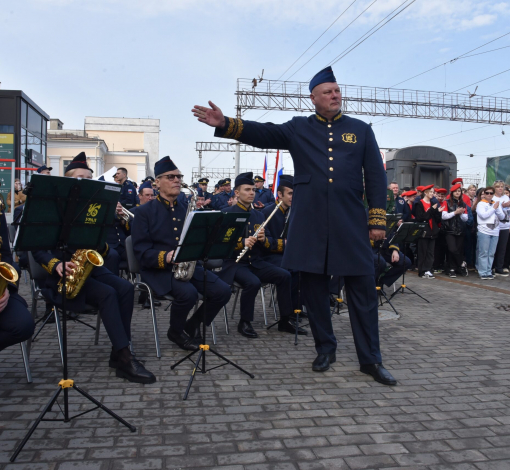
point(258, 231)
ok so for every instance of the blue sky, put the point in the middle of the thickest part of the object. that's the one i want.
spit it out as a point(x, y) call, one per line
point(157, 58)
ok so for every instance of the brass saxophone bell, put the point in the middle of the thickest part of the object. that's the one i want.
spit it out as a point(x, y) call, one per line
point(7, 275)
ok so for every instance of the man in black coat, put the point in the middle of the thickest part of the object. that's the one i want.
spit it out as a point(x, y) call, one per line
point(156, 233)
point(252, 270)
point(332, 155)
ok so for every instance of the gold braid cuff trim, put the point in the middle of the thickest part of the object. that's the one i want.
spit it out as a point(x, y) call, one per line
point(266, 243)
point(394, 247)
point(49, 267)
point(279, 247)
point(377, 217)
point(161, 259)
point(235, 128)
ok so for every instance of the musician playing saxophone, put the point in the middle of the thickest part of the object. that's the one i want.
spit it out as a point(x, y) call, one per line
point(111, 295)
point(252, 270)
point(156, 233)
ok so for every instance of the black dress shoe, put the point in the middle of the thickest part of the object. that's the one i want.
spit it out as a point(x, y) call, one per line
point(183, 340)
point(322, 362)
point(379, 373)
point(134, 371)
point(114, 360)
point(289, 327)
point(147, 304)
point(194, 331)
point(246, 329)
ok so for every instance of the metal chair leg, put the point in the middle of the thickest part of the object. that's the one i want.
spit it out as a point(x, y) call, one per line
point(225, 315)
point(273, 302)
point(213, 330)
point(98, 326)
point(154, 323)
point(25, 276)
point(263, 305)
point(26, 363)
point(59, 333)
point(235, 302)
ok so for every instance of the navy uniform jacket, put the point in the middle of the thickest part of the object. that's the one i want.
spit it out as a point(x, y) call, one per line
point(128, 196)
point(156, 230)
point(263, 195)
point(402, 207)
point(328, 230)
point(275, 227)
point(220, 202)
point(117, 233)
point(254, 256)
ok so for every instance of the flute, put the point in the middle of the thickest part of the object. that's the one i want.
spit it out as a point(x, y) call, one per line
point(258, 230)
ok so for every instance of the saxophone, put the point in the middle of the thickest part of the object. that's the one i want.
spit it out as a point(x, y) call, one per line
point(184, 271)
point(7, 274)
point(85, 261)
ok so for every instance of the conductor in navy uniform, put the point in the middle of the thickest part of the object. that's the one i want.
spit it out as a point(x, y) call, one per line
point(332, 154)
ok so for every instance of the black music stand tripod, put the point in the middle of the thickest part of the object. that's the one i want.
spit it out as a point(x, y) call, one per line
point(69, 217)
point(206, 239)
point(407, 233)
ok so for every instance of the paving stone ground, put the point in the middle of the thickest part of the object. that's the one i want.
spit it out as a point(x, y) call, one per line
point(450, 410)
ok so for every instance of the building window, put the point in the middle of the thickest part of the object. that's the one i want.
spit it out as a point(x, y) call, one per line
point(24, 114)
point(66, 164)
point(34, 122)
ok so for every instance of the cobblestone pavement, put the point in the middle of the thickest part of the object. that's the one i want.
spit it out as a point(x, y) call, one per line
point(450, 409)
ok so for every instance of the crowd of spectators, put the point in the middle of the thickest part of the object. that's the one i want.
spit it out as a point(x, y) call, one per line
point(467, 229)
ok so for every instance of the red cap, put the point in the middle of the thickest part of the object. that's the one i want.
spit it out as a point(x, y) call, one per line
point(441, 191)
point(425, 188)
point(409, 193)
point(457, 180)
point(419, 188)
point(455, 187)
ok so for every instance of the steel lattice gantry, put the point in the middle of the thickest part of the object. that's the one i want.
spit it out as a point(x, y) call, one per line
point(375, 101)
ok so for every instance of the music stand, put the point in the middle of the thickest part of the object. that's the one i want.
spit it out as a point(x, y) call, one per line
point(66, 214)
point(407, 233)
point(206, 236)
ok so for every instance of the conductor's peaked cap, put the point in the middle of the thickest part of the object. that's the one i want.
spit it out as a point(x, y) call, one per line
point(80, 161)
point(324, 76)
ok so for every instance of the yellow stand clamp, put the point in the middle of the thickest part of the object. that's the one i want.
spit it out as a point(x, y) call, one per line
point(204, 347)
point(68, 383)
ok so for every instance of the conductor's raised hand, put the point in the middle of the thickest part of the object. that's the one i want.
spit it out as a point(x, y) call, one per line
point(211, 116)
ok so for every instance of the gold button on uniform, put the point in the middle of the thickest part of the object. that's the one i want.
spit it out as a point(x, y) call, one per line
point(331, 158)
point(331, 168)
point(329, 125)
point(177, 238)
point(331, 139)
point(174, 218)
point(175, 228)
point(331, 133)
point(330, 149)
point(330, 180)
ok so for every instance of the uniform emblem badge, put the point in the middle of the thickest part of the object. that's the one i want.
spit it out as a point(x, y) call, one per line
point(349, 138)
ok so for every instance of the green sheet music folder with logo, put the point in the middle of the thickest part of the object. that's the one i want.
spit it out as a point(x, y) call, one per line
point(90, 203)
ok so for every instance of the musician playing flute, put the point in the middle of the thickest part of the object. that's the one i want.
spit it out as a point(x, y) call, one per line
point(332, 155)
point(251, 270)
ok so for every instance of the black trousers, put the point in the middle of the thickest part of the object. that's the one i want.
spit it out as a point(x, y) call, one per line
point(276, 259)
point(499, 256)
point(185, 296)
point(336, 284)
point(362, 305)
point(113, 259)
point(455, 245)
point(114, 298)
point(425, 255)
point(251, 279)
point(16, 323)
point(396, 270)
point(440, 249)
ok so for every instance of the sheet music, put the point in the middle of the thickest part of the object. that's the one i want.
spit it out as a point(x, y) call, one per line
point(187, 223)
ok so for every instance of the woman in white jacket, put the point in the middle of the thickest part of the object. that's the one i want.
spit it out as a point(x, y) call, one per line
point(488, 216)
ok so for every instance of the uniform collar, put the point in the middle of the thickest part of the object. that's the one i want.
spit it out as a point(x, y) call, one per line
point(322, 119)
point(243, 207)
point(164, 201)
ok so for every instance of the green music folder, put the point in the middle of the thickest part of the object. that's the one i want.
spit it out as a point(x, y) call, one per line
point(90, 203)
point(210, 233)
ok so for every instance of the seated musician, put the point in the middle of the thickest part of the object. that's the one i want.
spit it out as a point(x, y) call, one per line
point(263, 196)
point(277, 226)
point(111, 295)
point(16, 323)
point(252, 269)
point(389, 262)
point(156, 232)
